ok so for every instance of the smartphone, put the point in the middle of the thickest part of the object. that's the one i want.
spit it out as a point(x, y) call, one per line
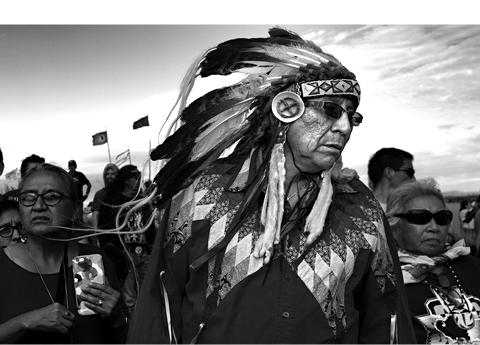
point(86, 269)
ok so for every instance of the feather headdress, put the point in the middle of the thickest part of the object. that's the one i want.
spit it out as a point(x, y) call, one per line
point(224, 117)
point(220, 118)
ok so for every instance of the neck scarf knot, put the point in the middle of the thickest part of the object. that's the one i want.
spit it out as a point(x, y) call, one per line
point(416, 267)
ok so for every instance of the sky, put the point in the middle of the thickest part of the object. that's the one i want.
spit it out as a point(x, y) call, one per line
point(60, 84)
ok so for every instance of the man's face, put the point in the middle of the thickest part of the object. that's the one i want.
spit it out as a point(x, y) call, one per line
point(317, 140)
point(110, 176)
point(401, 176)
point(71, 167)
point(133, 182)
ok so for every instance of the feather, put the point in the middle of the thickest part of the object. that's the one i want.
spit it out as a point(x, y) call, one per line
point(186, 87)
point(189, 131)
point(178, 173)
point(196, 110)
point(219, 127)
point(203, 110)
point(284, 48)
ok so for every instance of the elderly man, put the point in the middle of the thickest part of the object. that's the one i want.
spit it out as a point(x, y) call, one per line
point(274, 243)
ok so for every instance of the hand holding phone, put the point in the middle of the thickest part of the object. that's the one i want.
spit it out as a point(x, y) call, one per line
point(86, 269)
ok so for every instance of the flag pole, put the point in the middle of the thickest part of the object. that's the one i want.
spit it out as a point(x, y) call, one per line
point(129, 155)
point(108, 145)
point(149, 160)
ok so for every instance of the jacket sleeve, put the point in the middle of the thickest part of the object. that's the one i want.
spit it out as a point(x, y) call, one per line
point(149, 321)
point(378, 303)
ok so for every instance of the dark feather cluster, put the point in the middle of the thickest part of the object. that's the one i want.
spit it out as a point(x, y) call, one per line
point(260, 54)
point(232, 55)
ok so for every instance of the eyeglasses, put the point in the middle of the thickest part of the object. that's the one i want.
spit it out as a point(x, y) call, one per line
point(335, 111)
point(51, 198)
point(409, 171)
point(422, 217)
point(7, 231)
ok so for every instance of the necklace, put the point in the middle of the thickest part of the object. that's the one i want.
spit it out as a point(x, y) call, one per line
point(454, 301)
point(64, 263)
point(298, 191)
point(64, 275)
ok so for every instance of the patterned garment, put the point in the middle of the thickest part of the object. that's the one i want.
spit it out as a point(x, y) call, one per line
point(347, 275)
point(447, 311)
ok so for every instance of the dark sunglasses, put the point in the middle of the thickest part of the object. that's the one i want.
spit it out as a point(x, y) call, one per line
point(422, 217)
point(409, 171)
point(335, 111)
point(51, 198)
point(7, 231)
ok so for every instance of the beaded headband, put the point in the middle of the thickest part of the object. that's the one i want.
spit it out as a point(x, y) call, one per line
point(333, 87)
point(288, 106)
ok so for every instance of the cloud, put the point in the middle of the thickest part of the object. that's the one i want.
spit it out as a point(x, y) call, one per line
point(419, 92)
point(446, 127)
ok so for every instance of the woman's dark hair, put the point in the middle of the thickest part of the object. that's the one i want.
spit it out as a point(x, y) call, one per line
point(30, 159)
point(8, 205)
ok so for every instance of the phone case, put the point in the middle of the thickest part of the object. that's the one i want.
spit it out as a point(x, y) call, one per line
point(86, 269)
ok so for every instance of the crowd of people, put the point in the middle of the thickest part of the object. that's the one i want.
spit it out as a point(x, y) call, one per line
point(42, 230)
point(275, 242)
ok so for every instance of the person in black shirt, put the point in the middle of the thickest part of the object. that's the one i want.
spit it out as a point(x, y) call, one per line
point(125, 188)
point(81, 180)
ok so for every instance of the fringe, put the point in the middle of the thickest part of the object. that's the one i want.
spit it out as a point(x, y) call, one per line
point(272, 209)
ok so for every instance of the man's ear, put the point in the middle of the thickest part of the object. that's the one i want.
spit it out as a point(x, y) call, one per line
point(388, 173)
point(2, 166)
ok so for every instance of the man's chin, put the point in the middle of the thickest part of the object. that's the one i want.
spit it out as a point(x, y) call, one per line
point(325, 163)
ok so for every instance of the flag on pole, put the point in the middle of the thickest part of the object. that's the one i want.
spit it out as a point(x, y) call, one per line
point(122, 158)
point(100, 138)
point(141, 123)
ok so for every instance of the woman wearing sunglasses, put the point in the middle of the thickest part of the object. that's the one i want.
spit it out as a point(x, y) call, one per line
point(441, 281)
point(37, 290)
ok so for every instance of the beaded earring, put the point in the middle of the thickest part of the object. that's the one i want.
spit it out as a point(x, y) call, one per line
point(23, 234)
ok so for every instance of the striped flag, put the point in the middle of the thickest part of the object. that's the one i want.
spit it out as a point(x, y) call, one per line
point(122, 158)
point(100, 138)
point(141, 123)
